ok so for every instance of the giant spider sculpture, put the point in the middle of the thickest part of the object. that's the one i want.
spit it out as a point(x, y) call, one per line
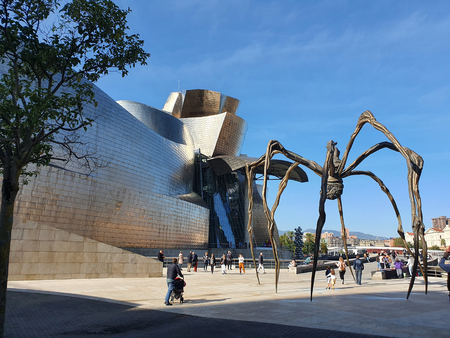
point(332, 173)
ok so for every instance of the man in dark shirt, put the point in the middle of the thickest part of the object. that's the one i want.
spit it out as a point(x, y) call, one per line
point(261, 263)
point(446, 268)
point(173, 270)
point(229, 260)
point(194, 261)
point(160, 256)
point(358, 266)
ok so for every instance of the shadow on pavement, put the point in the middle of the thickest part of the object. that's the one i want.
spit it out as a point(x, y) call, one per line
point(55, 315)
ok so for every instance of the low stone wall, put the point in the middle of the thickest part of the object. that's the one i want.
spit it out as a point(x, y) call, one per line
point(44, 252)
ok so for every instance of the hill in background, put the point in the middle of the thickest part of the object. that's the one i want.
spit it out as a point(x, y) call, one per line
point(337, 233)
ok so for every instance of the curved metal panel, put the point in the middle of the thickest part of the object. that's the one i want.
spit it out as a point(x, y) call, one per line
point(160, 122)
point(174, 104)
point(201, 102)
point(228, 104)
point(205, 132)
point(226, 164)
point(216, 135)
point(231, 136)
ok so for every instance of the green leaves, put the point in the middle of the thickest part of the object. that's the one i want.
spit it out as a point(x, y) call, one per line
point(46, 88)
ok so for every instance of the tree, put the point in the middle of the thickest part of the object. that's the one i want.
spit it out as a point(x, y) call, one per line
point(298, 242)
point(52, 54)
point(323, 246)
point(309, 243)
point(435, 247)
point(443, 242)
point(399, 242)
point(287, 240)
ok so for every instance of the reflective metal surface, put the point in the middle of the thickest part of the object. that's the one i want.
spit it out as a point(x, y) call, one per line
point(151, 190)
point(201, 102)
point(138, 198)
point(216, 135)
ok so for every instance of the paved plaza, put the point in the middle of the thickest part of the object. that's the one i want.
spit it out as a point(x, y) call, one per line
point(230, 305)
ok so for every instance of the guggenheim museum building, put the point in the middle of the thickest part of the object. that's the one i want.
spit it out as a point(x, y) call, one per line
point(170, 178)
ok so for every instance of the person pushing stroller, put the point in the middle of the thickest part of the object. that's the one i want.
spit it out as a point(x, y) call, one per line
point(173, 270)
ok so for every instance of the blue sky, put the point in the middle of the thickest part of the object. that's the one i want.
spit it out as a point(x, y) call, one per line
point(304, 71)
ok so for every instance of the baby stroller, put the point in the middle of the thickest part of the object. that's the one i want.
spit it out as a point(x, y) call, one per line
point(178, 290)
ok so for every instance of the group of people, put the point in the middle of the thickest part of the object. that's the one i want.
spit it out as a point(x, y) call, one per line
point(330, 273)
point(385, 260)
point(226, 262)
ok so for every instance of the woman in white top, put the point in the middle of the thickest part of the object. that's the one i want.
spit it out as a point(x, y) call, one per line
point(180, 259)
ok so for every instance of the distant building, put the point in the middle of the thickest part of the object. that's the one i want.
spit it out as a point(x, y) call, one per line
point(327, 235)
point(433, 236)
point(440, 223)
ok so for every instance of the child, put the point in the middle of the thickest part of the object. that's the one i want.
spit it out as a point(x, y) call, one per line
point(332, 277)
point(327, 273)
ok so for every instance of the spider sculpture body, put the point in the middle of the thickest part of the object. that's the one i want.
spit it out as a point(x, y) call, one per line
point(332, 174)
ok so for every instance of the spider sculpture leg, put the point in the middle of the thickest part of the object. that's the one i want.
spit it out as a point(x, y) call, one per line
point(349, 171)
point(270, 214)
point(273, 148)
point(344, 235)
point(249, 174)
point(270, 152)
point(415, 164)
point(322, 215)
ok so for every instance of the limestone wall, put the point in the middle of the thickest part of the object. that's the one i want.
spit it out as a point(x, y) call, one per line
point(43, 252)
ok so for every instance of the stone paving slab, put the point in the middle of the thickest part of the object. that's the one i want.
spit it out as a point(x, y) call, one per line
point(230, 305)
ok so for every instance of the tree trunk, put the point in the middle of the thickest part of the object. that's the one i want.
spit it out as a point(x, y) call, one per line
point(10, 189)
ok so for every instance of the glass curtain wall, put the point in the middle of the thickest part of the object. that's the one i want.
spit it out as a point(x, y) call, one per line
point(224, 196)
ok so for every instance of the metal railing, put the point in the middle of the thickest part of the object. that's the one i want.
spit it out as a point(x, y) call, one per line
point(248, 263)
point(436, 271)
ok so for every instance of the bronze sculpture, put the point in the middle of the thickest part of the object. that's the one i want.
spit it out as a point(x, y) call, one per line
point(332, 174)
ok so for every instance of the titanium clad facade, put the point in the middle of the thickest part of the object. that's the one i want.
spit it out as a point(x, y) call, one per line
point(139, 198)
point(150, 190)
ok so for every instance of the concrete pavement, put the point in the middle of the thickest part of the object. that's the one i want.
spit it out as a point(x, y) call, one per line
point(228, 305)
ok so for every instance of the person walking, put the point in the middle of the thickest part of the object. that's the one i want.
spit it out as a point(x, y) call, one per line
point(180, 259)
point(358, 266)
point(241, 264)
point(205, 261)
point(328, 275)
point(341, 266)
point(189, 259)
point(212, 262)
point(173, 270)
point(410, 264)
point(223, 262)
point(398, 268)
point(332, 277)
point(194, 261)
point(229, 260)
point(261, 263)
